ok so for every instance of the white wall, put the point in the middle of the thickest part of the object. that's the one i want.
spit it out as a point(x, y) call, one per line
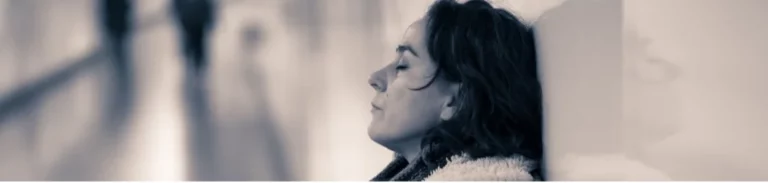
point(718, 48)
point(683, 100)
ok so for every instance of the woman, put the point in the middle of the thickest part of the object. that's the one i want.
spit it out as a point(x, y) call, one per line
point(463, 100)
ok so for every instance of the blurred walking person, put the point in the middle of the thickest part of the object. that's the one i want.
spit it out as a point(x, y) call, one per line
point(116, 21)
point(195, 19)
point(117, 26)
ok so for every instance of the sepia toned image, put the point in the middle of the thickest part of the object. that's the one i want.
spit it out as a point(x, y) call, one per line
point(383, 90)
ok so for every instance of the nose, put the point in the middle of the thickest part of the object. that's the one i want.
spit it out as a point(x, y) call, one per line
point(378, 80)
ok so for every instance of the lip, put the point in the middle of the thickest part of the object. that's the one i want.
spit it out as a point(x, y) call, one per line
point(375, 107)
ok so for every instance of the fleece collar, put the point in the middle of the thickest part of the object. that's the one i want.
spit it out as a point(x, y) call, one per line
point(463, 168)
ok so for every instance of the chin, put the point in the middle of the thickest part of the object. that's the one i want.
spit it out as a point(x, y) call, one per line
point(384, 141)
point(375, 134)
point(380, 136)
point(389, 138)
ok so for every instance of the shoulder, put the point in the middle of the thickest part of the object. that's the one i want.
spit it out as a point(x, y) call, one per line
point(463, 168)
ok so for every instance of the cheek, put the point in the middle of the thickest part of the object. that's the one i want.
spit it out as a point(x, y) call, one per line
point(410, 110)
point(397, 93)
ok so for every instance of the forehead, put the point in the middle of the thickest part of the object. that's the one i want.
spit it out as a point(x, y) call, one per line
point(415, 35)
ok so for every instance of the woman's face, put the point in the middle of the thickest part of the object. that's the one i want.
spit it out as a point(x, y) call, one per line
point(402, 110)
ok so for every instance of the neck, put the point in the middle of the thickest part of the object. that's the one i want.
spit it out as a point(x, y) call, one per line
point(410, 149)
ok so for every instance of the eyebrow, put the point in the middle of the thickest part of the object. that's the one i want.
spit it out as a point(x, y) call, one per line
point(404, 47)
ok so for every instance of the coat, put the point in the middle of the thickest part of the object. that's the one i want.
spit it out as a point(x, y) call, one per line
point(462, 168)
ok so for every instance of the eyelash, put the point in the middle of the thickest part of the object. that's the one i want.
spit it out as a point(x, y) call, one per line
point(400, 66)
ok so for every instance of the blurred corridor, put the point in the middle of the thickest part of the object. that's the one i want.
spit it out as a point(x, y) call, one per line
point(278, 90)
point(280, 98)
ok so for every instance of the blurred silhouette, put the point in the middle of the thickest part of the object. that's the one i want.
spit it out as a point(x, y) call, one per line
point(200, 129)
point(116, 21)
point(196, 18)
point(88, 159)
point(268, 156)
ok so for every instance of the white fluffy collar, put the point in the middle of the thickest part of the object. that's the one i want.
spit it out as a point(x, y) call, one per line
point(462, 168)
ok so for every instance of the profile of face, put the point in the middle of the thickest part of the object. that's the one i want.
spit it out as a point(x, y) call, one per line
point(408, 102)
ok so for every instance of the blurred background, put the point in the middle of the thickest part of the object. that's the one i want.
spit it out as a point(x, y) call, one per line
point(108, 89)
point(277, 90)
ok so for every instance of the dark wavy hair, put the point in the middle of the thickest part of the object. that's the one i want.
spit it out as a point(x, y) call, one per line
point(492, 54)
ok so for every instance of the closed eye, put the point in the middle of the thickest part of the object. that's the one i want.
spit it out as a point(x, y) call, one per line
point(401, 65)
